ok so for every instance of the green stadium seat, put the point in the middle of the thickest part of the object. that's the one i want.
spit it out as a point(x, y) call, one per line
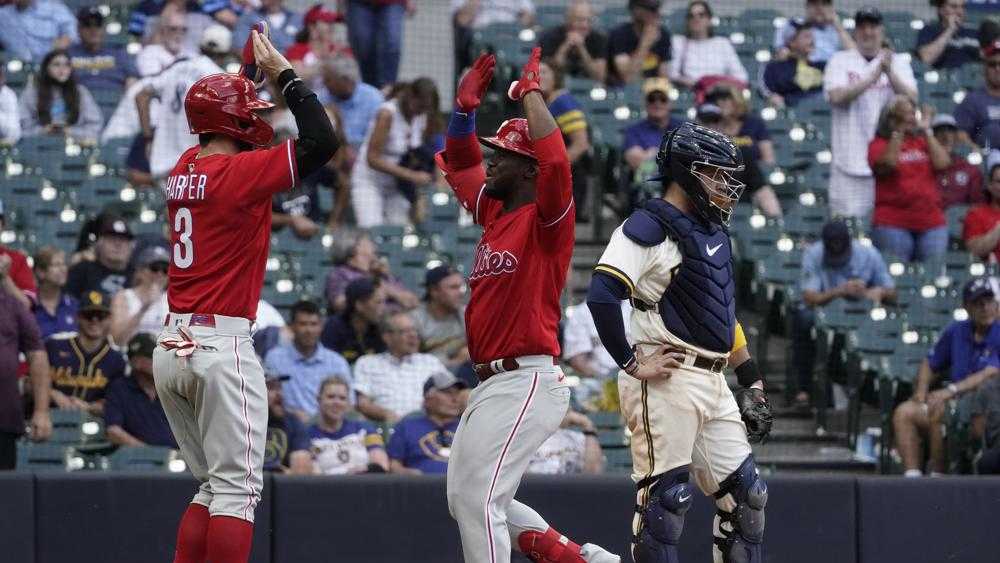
point(45, 457)
point(612, 438)
point(141, 458)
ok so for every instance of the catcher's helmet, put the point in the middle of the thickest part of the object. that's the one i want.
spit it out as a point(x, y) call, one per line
point(225, 103)
point(702, 162)
point(512, 136)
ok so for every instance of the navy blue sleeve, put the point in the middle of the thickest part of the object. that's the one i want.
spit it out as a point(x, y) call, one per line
point(298, 436)
point(604, 301)
point(114, 414)
point(396, 449)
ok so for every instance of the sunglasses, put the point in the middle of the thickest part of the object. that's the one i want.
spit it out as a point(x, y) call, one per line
point(993, 64)
point(694, 15)
point(95, 316)
point(657, 98)
point(159, 267)
point(176, 28)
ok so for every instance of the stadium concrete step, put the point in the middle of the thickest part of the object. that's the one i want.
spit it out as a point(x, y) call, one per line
point(809, 457)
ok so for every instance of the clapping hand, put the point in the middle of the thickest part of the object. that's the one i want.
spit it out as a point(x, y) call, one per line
point(473, 85)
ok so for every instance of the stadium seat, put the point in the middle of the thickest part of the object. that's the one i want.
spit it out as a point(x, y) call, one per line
point(45, 457)
point(141, 458)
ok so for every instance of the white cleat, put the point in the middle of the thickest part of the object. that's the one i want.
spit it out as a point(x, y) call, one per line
point(594, 553)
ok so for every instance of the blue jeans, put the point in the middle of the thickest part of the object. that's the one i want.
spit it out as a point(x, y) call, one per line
point(376, 37)
point(911, 246)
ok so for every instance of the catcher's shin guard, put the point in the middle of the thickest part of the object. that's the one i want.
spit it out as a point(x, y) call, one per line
point(548, 547)
point(740, 533)
point(661, 521)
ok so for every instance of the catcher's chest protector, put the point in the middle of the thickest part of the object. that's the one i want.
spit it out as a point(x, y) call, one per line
point(699, 305)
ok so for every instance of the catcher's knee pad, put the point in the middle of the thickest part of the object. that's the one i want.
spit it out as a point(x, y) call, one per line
point(548, 547)
point(662, 519)
point(742, 530)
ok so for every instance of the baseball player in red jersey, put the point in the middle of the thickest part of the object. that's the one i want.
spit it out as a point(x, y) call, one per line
point(208, 379)
point(523, 198)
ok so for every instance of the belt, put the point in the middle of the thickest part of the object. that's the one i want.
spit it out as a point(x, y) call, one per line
point(641, 305)
point(489, 369)
point(714, 365)
point(195, 320)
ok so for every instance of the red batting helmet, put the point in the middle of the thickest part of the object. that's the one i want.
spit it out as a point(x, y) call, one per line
point(512, 136)
point(225, 103)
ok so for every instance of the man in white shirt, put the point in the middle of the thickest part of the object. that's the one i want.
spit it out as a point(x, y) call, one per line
point(10, 124)
point(582, 346)
point(172, 135)
point(167, 47)
point(858, 83)
point(390, 385)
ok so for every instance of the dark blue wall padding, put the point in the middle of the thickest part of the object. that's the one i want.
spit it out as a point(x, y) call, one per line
point(17, 519)
point(121, 517)
point(949, 519)
point(811, 519)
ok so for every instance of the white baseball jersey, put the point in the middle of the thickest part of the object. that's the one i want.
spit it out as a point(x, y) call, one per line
point(646, 271)
point(580, 337)
point(853, 126)
point(561, 454)
point(173, 135)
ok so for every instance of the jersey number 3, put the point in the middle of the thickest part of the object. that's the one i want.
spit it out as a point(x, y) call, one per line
point(184, 247)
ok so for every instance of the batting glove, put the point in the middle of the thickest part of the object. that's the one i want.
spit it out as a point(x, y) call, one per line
point(249, 67)
point(529, 77)
point(473, 85)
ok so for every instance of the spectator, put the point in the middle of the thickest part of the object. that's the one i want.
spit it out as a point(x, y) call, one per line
point(96, 65)
point(145, 16)
point(701, 57)
point(796, 77)
point(402, 125)
point(905, 155)
point(173, 135)
point(572, 122)
point(744, 128)
point(270, 329)
point(33, 28)
point(354, 258)
point(84, 366)
point(20, 336)
point(10, 122)
point(298, 209)
point(470, 15)
point(640, 48)
point(375, 32)
point(961, 183)
point(642, 139)
point(832, 268)
point(305, 361)
point(358, 102)
point(948, 43)
point(15, 274)
point(287, 442)
point(576, 46)
point(757, 189)
point(572, 449)
point(389, 383)
point(440, 319)
point(142, 308)
point(981, 228)
point(107, 273)
point(340, 445)
point(354, 332)
point(133, 415)
point(964, 357)
point(283, 24)
point(421, 443)
point(859, 83)
point(582, 347)
point(54, 104)
point(978, 115)
point(986, 426)
point(166, 46)
point(314, 43)
point(55, 312)
point(828, 33)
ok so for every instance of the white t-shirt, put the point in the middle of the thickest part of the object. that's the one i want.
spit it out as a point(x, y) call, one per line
point(580, 337)
point(268, 316)
point(10, 124)
point(403, 136)
point(696, 58)
point(152, 59)
point(561, 454)
point(853, 126)
point(496, 11)
point(394, 384)
point(172, 136)
point(152, 320)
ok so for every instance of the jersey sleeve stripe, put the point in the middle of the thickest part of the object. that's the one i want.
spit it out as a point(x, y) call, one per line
point(617, 274)
point(291, 162)
point(561, 217)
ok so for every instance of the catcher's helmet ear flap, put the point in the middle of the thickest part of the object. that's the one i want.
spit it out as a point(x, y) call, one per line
point(227, 104)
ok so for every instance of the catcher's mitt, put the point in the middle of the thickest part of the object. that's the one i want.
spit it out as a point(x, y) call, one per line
point(756, 413)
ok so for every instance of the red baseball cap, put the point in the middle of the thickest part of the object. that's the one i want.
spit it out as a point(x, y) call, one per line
point(991, 49)
point(512, 136)
point(319, 13)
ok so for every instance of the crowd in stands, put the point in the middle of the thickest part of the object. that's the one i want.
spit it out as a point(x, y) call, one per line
point(373, 375)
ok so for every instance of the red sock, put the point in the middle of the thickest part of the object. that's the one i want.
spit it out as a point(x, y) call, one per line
point(229, 539)
point(191, 535)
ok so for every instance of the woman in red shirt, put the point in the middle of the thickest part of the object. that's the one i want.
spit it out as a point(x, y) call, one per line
point(909, 221)
point(981, 230)
point(314, 42)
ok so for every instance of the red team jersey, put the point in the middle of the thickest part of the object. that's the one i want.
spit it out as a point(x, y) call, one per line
point(219, 210)
point(523, 257)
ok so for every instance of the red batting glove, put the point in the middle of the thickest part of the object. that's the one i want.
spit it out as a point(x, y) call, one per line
point(529, 77)
point(472, 87)
point(249, 67)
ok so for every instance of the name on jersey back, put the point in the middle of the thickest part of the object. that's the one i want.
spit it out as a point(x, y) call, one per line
point(186, 186)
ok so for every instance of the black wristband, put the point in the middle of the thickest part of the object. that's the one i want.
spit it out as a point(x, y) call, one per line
point(590, 433)
point(747, 374)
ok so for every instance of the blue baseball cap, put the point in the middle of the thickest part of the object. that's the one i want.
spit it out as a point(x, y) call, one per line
point(977, 288)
